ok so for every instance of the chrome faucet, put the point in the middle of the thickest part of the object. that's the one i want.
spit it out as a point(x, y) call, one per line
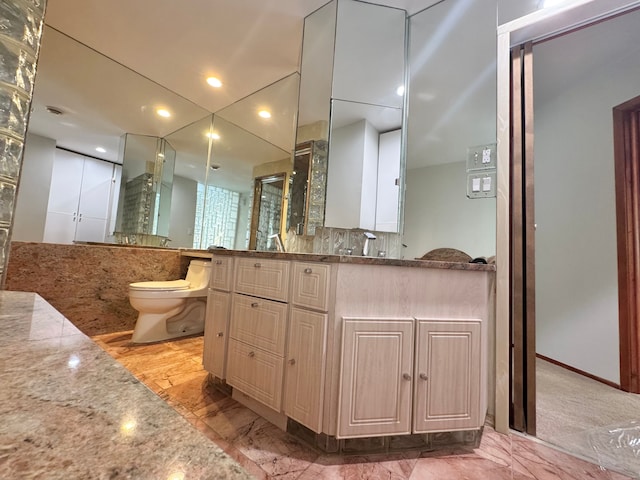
point(365, 248)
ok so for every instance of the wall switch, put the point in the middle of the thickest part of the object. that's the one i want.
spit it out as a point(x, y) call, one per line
point(481, 184)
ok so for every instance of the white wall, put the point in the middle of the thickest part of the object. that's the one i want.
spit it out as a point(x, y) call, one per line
point(576, 269)
point(33, 192)
point(183, 212)
point(438, 213)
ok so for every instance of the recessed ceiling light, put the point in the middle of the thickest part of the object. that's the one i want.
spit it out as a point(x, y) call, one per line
point(264, 113)
point(163, 112)
point(214, 82)
point(214, 166)
point(213, 135)
point(400, 90)
point(101, 149)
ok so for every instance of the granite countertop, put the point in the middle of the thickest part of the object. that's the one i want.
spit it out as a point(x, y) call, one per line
point(356, 260)
point(69, 410)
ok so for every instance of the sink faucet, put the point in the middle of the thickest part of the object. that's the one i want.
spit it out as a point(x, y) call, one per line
point(365, 248)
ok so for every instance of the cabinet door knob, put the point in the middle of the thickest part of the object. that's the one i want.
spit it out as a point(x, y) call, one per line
point(423, 376)
point(257, 265)
point(406, 376)
point(308, 270)
point(218, 262)
point(255, 305)
point(292, 361)
point(220, 334)
point(252, 354)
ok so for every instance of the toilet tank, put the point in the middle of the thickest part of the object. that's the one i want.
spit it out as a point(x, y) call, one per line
point(198, 273)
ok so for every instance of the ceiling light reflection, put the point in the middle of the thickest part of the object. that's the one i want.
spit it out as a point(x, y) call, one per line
point(214, 82)
point(128, 427)
point(73, 361)
point(213, 135)
point(264, 113)
point(400, 90)
point(176, 476)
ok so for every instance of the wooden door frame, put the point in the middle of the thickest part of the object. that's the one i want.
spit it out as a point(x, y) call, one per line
point(626, 142)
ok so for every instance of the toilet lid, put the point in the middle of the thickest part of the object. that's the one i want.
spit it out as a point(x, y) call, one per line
point(169, 285)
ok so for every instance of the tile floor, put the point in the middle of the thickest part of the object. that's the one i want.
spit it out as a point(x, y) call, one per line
point(173, 370)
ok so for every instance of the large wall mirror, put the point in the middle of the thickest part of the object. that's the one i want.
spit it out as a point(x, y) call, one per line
point(218, 155)
point(352, 105)
point(452, 106)
point(199, 175)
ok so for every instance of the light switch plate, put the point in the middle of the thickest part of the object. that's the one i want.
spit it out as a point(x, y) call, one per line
point(481, 157)
point(481, 184)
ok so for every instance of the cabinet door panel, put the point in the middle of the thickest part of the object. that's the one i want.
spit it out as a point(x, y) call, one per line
point(305, 368)
point(90, 229)
point(259, 322)
point(215, 333)
point(60, 227)
point(447, 391)
point(375, 383)
point(96, 188)
point(66, 180)
point(256, 373)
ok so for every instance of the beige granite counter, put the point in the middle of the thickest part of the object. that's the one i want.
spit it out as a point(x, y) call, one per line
point(69, 411)
point(356, 260)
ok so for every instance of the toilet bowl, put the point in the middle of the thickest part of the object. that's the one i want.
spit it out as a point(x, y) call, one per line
point(171, 309)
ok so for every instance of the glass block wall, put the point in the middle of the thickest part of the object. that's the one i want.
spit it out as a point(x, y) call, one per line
point(20, 34)
point(216, 217)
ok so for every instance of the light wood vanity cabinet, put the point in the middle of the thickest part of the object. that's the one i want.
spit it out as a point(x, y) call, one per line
point(350, 349)
point(216, 339)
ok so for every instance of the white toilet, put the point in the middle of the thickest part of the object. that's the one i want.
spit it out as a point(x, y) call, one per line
point(171, 309)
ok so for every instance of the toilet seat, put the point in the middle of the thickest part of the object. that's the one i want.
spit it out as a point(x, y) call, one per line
point(161, 286)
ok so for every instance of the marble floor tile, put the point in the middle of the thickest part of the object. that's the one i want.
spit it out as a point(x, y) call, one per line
point(174, 371)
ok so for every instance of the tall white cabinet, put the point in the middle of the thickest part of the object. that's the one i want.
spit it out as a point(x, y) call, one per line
point(79, 199)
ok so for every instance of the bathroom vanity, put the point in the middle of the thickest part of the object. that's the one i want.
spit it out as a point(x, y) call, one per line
point(351, 347)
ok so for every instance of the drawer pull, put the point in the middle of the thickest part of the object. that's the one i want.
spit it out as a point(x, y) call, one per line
point(308, 270)
point(423, 376)
point(406, 376)
point(292, 361)
point(218, 262)
point(257, 265)
point(220, 334)
point(255, 305)
point(252, 354)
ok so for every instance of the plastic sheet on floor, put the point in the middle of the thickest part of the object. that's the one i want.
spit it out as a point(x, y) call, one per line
point(618, 447)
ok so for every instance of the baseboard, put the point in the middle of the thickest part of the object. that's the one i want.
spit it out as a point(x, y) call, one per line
point(579, 372)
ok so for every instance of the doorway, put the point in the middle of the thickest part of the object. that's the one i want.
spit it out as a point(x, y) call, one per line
point(579, 77)
point(266, 215)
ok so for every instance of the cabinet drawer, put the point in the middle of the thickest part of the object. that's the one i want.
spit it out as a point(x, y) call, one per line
point(221, 271)
point(311, 285)
point(256, 373)
point(259, 322)
point(263, 278)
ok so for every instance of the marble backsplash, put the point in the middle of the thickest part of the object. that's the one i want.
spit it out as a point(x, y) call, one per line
point(343, 241)
point(89, 284)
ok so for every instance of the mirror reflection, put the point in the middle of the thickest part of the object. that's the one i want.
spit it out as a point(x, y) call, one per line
point(219, 155)
point(361, 102)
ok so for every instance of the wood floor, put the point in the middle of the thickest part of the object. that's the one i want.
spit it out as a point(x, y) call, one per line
point(173, 370)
